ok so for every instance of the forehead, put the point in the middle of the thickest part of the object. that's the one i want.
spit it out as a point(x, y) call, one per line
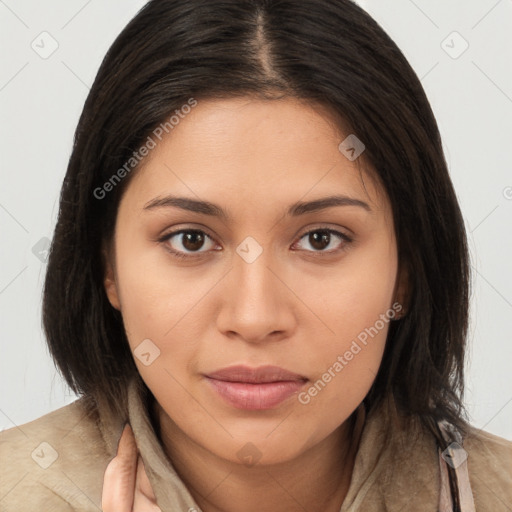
point(256, 151)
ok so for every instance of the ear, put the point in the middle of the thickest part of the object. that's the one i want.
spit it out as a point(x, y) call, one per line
point(402, 290)
point(109, 279)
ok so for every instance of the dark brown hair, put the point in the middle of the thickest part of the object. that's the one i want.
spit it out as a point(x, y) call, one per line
point(330, 52)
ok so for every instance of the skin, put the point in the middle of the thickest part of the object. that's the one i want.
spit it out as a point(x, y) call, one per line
point(298, 305)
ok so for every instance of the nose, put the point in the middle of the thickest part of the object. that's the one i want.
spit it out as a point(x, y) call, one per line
point(257, 305)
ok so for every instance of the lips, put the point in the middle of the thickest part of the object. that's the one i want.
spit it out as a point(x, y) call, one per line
point(260, 375)
point(260, 388)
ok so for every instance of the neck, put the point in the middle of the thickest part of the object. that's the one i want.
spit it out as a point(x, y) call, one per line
point(317, 480)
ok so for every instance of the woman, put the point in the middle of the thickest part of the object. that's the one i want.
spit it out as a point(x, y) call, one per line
point(258, 282)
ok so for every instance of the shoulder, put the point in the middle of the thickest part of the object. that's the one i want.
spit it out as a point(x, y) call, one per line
point(55, 462)
point(489, 462)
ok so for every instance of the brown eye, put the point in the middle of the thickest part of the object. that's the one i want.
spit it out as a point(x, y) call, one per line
point(319, 239)
point(192, 241)
point(187, 241)
point(322, 239)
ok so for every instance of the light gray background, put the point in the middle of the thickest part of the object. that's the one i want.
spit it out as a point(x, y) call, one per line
point(41, 99)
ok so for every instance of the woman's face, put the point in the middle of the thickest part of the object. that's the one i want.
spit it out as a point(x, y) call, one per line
point(251, 287)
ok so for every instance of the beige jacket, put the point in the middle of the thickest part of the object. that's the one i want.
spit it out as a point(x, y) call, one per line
point(57, 462)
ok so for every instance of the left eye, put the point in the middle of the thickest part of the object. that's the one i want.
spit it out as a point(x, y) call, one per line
point(321, 239)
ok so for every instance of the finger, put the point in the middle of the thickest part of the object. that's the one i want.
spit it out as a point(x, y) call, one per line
point(142, 483)
point(120, 474)
point(144, 500)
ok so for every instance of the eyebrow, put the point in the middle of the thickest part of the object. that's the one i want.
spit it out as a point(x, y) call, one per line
point(296, 209)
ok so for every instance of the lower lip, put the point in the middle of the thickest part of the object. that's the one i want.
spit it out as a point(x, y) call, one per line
point(255, 396)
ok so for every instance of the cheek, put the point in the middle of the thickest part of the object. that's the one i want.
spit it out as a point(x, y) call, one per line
point(167, 306)
point(352, 295)
point(356, 305)
point(154, 295)
point(347, 364)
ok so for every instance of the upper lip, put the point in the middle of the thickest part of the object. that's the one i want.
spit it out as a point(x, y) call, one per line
point(257, 375)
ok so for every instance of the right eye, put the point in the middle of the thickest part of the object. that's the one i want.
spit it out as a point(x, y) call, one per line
point(186, 242)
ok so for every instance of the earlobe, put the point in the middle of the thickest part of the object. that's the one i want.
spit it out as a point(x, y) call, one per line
point(109, 282)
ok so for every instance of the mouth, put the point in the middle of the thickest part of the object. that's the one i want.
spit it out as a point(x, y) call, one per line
point(259, 388)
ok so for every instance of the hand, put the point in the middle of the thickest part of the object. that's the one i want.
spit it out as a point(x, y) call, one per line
point(126, 487)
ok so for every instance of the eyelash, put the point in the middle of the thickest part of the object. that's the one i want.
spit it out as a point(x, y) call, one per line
point(181, 255)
